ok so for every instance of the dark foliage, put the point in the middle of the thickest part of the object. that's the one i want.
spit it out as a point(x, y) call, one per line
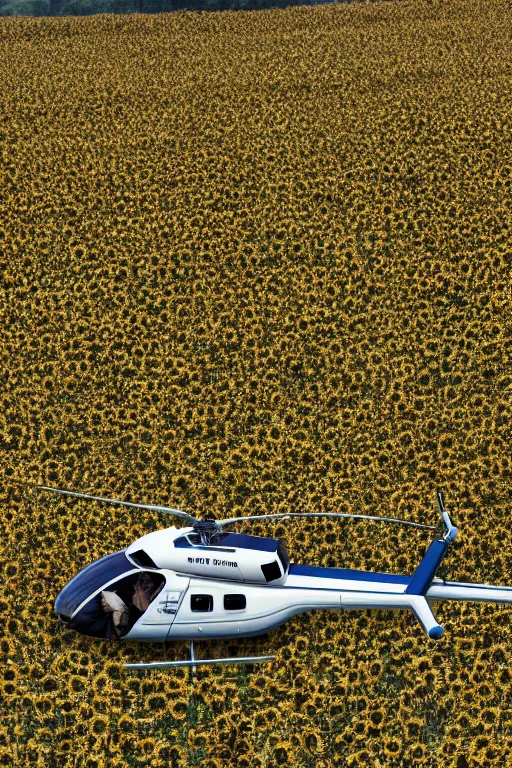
point(89, 7)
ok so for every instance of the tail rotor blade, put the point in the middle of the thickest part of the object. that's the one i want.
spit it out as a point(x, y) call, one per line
point(152, 507)
point(282, 516)
point(451, 530)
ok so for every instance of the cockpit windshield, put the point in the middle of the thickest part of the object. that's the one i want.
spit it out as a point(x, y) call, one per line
point(88, 580)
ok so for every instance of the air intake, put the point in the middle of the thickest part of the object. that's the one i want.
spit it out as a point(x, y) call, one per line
point(143, 559)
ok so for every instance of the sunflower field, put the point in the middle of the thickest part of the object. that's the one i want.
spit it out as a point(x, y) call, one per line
point(258, 262)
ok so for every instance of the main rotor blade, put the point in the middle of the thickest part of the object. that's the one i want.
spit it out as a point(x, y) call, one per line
point(151, 507)
point(222, 523)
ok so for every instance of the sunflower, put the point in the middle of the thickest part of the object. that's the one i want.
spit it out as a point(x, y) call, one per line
point(98, 724)
point(11, 673)
point(147, 748)
point(127, 724)
point(302, 645)
point(178, 709)
point(392, 747)
point(155, 702)
point(43, 704)
point(95, 761)
point(76, 684)
point(283, 753)
point(312, 741)
point(101, 683)
point(64, 747)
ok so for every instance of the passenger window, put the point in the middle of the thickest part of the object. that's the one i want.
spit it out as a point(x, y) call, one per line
point(234, 602)
point(201, 603)
point(271, 571)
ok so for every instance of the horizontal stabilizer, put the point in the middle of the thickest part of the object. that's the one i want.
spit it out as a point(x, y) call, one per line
point(423, 613)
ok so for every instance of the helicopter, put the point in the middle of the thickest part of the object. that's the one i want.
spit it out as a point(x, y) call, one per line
point(204, 581)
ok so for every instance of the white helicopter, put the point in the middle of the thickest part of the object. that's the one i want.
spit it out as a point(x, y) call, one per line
point(203, 581)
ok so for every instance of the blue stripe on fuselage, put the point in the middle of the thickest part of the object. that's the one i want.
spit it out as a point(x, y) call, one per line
point(245, 541)
point(345, 573)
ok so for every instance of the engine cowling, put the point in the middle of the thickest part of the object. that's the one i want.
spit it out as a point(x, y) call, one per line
point(231, 556)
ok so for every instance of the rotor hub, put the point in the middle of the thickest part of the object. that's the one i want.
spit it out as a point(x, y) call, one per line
point(207, 530)
point(206, 525)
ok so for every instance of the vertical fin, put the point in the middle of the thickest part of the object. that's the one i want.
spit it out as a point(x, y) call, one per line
point(424, 575)
point(426, 570)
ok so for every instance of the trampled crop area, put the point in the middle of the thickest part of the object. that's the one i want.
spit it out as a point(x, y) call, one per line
point(259, 262)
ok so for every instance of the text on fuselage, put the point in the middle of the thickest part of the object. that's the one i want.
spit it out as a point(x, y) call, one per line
point(212, 561)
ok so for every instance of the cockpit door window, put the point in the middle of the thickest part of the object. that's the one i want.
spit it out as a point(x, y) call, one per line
point(113, 611)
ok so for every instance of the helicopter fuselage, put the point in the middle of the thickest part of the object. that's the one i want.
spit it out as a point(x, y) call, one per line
point(189, 607)
point(267, 607)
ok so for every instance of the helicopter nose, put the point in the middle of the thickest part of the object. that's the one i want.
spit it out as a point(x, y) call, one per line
point(88, 581)
point(62, 607)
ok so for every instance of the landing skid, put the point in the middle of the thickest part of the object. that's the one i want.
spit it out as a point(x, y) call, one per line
point(193, 662)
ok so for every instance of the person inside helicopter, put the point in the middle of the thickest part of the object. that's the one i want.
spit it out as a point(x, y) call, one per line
point(113, 612)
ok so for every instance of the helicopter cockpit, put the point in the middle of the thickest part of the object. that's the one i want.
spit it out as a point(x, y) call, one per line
point(112, 611)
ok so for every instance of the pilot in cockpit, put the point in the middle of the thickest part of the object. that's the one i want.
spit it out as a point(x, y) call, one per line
point(123, 613)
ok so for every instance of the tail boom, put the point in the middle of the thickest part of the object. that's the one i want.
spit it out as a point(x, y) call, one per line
point(480, 593)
